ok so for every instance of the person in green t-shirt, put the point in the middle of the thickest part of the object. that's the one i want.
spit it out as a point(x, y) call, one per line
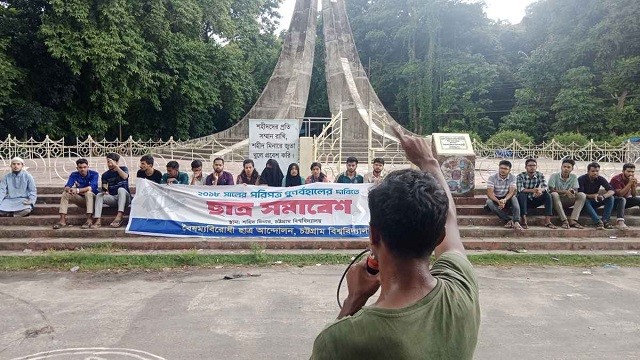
point(174, 175)
point(421, 313)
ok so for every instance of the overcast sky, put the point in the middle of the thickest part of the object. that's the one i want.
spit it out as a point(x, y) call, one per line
point(509, 10)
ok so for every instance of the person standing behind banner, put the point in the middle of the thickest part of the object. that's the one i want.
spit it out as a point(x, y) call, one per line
point(271, 175)
point(293, 176)
point(249, 175)
point(219, 176)
point(147, 171)
point(316, 174)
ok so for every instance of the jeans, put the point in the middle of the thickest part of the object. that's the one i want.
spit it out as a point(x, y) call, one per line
point(526, 203)
point(625, 203)
point(591, 206)
point(515, 209)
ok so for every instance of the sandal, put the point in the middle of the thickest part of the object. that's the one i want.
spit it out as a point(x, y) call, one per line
point(576, 225)
point(60, 225)
point(95, 226)
point(116, 223)
point(565, 224)
point(508, 225)
point(524, 226)
point(86, 225)
point(550, 226)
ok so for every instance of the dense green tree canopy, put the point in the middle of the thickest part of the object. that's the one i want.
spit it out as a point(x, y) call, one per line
point(188, 68)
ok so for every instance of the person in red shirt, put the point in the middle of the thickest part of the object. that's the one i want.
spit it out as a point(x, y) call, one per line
point(625, 186)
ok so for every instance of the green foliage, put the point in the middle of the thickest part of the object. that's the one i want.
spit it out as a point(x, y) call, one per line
point(571, 138)
point(508, 136)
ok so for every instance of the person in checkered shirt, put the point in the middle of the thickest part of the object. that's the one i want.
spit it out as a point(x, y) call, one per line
point(533, 192)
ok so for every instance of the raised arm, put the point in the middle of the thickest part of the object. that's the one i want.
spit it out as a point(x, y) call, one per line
point(418, 151)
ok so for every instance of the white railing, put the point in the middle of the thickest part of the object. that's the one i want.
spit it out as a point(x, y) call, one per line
point(327, 147)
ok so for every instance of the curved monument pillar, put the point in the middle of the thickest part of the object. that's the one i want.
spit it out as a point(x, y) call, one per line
point(348, 85)
point(286, 93)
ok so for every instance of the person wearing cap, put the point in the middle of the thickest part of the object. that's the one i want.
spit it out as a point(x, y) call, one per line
point(114, 191)
point(17, 191)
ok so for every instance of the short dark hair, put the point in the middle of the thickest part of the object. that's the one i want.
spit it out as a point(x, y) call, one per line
point(505, 163)
point(409, 209)
point(248, 161)
point(594, 165)
point(352, 159)
point(628, 166)
point(113, 156)
point(314, 164)
point(148, 159)
point(218, 158)
point(82, 161)
point(196, 164)
point(173, 165)
point(568, 161)
point(378, 161)
point(530, 160)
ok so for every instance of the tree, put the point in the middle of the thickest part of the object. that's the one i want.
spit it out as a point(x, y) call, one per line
point(576, 107)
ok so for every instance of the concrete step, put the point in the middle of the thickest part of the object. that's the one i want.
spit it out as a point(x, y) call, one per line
point(53, 209)
point(49, 220)
point(490, 220)
point(153, 243)
point(41, 231)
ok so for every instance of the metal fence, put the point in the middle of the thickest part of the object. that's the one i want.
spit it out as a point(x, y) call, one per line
point(50, 161)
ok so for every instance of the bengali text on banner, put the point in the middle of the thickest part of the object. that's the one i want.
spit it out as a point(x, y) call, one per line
point(313, 210)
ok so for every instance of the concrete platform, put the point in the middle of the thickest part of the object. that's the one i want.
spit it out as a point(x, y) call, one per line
point(527, 313)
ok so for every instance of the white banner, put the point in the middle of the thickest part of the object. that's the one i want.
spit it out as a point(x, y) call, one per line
point(274, 139)
point(313, 210)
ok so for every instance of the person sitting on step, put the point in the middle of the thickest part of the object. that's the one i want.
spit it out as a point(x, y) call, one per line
point(533, 192)
point(590, 184)
point(249, 174)
point(564, 193)
point(81, 189)
point(350, 176)
point(501, 195)
point(147, 171)
point(316, 174)
point(18, 191)
point(174, 175)
point(625, 185)
point(115, 191)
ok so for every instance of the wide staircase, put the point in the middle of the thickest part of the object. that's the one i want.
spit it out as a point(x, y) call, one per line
point(480, 231)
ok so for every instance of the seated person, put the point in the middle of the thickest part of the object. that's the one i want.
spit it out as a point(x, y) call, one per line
point(625, 185)
point(174, 175)
point(17, 191)
point(377, 174)
point(114, 191)
point(350, 176)
point(198, 177)
point(316, 174)
point(293, 176)
point(147, 171)
point(564, 193)
point(249, 174)
point(81, 190)
point(219, 176)
point(501, 195)
point(590, 184)
point(533, 192)
point(271, 175)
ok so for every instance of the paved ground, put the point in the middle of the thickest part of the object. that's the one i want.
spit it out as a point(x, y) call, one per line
point(527, 313)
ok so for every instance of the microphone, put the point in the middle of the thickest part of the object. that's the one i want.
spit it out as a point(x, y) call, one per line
point(372, 265)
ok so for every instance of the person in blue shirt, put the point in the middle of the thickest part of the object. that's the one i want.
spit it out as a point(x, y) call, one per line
point(81, 190)
point(114, 191)
point(174, 175)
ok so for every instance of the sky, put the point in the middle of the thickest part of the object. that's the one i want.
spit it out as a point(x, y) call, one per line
point(509, 10)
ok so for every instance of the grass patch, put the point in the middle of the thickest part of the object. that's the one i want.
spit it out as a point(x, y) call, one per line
point(92, 260)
